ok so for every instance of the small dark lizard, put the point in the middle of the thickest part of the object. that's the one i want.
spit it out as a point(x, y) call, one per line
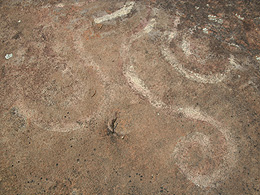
point(112, 126)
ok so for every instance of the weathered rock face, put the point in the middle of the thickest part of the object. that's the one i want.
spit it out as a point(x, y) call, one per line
point(129, 97)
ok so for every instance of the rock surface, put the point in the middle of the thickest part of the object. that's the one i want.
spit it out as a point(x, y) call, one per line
point(129, 97)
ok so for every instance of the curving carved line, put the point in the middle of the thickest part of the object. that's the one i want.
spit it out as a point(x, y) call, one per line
point(229, 160)
point(34, 116)
point(117, 14)
point(211, 79)
point(85, 61)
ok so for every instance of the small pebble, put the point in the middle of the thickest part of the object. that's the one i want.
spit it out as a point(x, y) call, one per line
point(240, 17)
point(205, 30)
point(8, 56)
point(60, 5)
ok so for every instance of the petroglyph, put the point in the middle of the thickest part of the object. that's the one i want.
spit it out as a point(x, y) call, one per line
point(135, 82)
point(72, 93)
point(70, 97)
point(200, 171)
point(169, 56)
point(188, 52)
point(201, 176)
point(157, 97)
point(205, 177)
point(90, 95)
